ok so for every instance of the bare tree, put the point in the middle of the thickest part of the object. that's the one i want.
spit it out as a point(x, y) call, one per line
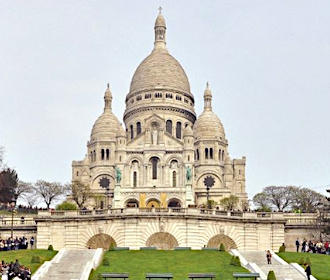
point(80, 193)
point(49, 192)
point(307, 200)
point(261, 200)
point(279, 197)
point(31, 198)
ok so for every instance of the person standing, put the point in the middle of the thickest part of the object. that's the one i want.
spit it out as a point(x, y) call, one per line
point(32, 242)
point(308, 271)
point(303, 246)
point(297, 244)
point(269, 257)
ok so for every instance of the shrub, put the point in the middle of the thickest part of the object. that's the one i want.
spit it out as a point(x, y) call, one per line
point(35, 259)
point(232, 260)
point(222, 248)
point(271, 275)
point(66, 205)
point(237, 261)
point(50, 248)
point(105, 262)
point(282, 249)
point(112, 246)
point(301, 261)
point(308, 261)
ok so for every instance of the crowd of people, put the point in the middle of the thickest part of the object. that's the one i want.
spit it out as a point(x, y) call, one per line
point(316, 247)
point(17, 243)
point(13, 271)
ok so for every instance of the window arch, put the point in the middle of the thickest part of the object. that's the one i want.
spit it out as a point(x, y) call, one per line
point(206, 153)
point(211, 153)
point(174, 179)
point(219, 155)
point(94, 155)
point(223, 155)
point(132, 131)
point(107, 154)
point(169, 126)
point(138, 128)
point(134, 179)
point(102, 154)
point(197, 154)
point(178, 130)
point(154, 165)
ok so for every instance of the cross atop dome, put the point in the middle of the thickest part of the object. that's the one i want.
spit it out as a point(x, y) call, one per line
point(208, 98)
point(107, 99)
point(160, 9)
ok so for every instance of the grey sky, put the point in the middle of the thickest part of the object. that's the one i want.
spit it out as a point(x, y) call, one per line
point(268, 64)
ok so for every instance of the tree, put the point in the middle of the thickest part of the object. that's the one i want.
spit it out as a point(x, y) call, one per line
point(261, 200)
point(49, 192)
point(80, 193)
point(307, 200)
point(280, 197)
point(66, 205)
point(8, 185)
point(229, 203)
point(31, 198)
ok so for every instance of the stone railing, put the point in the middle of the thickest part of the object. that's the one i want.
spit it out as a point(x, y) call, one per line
point(23, 221)
point(165, 211)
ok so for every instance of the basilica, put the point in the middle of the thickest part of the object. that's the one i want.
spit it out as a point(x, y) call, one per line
point(165, 156)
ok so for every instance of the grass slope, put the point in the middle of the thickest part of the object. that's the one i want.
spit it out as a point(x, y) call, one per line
point(25, 256)
point(320, 264)
point(180, 263)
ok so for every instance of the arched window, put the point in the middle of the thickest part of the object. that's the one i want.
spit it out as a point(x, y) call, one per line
point(219, 155)
point(132, 131)
point(174, 179)
point(211, 153)
point(102, 154)
point(138, 128)
point(169, 126)
point(223, 155)
point(154, 163)
point(94, 155)
point(178, 130)
point(134, 179)
point(91, 156)
point(206, 153)
point(197, 154)
point(108, 154)
point(188, 158)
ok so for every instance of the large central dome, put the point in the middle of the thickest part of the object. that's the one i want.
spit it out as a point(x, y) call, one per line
point(159, 70)
point(159, 84)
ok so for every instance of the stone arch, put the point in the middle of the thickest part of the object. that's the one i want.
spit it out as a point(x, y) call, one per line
point(216, 240)
point(139, 159)
point(101, 240)
point(178, 158)
point(132, 203)
point(174, 202)
point(153, 203)
point(162, 240)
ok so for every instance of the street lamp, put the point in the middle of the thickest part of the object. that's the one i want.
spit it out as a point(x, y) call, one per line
point(209, 183)
point(12, 207)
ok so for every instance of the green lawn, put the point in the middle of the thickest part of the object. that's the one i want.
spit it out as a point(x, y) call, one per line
point(180, 263)
point(320, 264)
point(25, 256)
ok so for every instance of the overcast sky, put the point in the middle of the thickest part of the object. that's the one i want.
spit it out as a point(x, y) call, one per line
point(268, 64)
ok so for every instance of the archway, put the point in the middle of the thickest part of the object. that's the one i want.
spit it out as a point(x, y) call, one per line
point(132, 203)
point(153, 203)
point(101, 240)
point(162, 240)
point(216, 240)
point(173, 203)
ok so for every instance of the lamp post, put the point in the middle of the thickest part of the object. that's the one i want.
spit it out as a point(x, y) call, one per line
point(12, 206)
point(209, 183)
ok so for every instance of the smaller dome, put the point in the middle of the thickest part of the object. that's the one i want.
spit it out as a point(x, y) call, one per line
point(106, 127)
point(208, 125)
point(121, 131)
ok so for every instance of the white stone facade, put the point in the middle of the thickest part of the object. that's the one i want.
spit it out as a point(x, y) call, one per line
point(166, 153)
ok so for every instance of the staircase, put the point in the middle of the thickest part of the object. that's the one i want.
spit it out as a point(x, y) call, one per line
point(282, 270)
point(70, 264)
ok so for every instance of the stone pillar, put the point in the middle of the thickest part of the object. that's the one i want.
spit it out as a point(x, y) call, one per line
point(117, 196)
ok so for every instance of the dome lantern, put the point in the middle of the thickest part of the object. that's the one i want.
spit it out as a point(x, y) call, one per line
point(160, 31)
point(107, 99)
